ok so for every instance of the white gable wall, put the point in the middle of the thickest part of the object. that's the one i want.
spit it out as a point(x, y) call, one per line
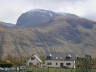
point(34, 62)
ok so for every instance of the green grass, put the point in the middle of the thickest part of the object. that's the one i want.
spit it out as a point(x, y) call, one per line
point(34, 69)
point(49, 69)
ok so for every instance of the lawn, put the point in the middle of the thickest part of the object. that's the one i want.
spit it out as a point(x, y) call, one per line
point(54, 70)
point(35, 69)
point(49, 69)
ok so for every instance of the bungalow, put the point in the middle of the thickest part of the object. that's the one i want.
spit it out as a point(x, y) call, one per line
point(60, 62)
point(56, 60)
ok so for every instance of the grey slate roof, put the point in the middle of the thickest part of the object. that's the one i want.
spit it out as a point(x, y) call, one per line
point(61, 56)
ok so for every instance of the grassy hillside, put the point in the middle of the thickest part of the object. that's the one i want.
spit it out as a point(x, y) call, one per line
point(62, 34)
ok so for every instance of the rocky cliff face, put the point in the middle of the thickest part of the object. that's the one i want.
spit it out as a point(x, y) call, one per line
point(39, 17)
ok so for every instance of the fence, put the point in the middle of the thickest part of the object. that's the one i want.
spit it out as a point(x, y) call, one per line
point(36, 69)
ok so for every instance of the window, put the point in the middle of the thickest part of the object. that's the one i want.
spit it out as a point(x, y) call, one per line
point(68, 63)
point(56, 63)
point(32, 58)
point(49, 63)
point(68, 58)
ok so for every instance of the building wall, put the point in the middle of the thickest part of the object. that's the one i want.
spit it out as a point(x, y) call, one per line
point(57, 63)
point(34, 62)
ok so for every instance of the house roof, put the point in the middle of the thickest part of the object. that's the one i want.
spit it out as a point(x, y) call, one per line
point(61, 56)
point(37, 58)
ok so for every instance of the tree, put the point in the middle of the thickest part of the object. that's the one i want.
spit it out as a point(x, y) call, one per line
point(16, 61)
point(85, 64)
point(42, 57)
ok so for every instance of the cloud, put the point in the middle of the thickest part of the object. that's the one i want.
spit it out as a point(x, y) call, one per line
point(10, 10)
point(56, 1)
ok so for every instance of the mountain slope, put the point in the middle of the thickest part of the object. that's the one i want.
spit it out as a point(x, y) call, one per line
point(38, 17)
point(58, 33)
point(7, 24)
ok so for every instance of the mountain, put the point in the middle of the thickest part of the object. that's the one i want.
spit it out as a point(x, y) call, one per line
point(7, 24)
point(45, 32)
point(38, 17)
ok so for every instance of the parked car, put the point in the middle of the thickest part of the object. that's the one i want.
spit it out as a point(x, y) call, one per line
point(21, 67)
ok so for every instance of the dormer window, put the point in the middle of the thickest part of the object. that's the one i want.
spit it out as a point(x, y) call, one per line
point(68, 57)
point(32, 58)
point(49, 57)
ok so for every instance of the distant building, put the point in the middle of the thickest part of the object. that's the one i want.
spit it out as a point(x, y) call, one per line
point(34, 61)
point(56, 60)
point(60, 61)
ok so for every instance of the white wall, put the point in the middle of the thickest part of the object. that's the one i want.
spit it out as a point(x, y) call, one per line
point(59, 62)
point(35, 61)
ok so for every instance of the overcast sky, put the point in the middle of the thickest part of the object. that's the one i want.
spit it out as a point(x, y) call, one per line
point(10, 10)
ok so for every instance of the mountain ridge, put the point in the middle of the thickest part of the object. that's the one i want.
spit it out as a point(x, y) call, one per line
point(7, 24)
point(39, 16)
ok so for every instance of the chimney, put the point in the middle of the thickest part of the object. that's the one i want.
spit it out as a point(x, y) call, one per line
point(49, 56)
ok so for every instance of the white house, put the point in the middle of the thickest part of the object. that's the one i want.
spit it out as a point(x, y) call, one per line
point(60, 62)
point(56, 60)
point(34, 61)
